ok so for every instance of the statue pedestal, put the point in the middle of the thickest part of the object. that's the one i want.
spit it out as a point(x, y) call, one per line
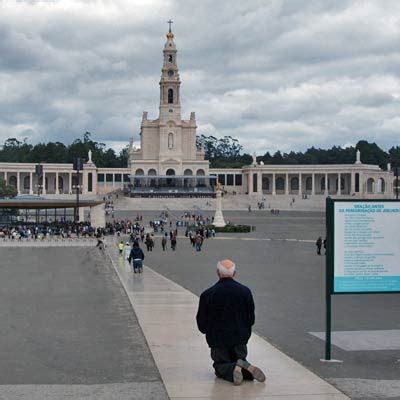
point(218, 217)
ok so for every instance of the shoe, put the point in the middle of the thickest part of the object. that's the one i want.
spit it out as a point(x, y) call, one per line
point(135, 271)
point(258, 375)
point(237, 375)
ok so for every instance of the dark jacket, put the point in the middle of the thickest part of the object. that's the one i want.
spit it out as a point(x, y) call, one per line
point(226, 313)
point(135, 254)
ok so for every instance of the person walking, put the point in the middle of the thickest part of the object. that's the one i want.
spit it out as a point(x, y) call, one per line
point(173, 242)
point(199, 242)
point(127, 249)
point(137, 256)
point(318, 243)
point(121, 247)
point(164, 242)
point(226, 315)
point(148, 242)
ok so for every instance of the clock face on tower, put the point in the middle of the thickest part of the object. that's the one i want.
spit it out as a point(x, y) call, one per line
point(170, 72)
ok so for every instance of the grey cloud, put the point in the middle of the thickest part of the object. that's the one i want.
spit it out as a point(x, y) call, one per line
point(275, 74)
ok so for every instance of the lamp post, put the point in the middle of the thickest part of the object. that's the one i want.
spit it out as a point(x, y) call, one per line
point(78, 166)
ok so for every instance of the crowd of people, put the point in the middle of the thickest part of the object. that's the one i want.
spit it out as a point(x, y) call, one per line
point(47, 230)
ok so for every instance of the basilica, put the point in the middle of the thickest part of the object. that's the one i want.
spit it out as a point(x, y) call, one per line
point(169, 163)
point(168, 158)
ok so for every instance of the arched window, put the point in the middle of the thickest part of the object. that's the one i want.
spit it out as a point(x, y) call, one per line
point(139, 172)
point(187, 181)
point(170, 181)
point(200, 181)
point(170, 59)
point(294, 183)
point(170, 96)
point(170, 140)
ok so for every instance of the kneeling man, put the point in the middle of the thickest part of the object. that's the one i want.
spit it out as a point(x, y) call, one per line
point(225, 316)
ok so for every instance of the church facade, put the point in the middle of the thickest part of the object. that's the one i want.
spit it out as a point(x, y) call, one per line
point(168, 161)
point(168, 156)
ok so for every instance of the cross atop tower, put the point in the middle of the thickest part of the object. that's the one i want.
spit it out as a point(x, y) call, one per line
point(170, 22)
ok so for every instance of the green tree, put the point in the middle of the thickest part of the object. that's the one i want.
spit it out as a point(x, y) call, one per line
point(7, 190)
point(394, 156)
point(371, 153)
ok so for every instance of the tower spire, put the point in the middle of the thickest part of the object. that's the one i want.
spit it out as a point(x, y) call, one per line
point(170, 22)
point(170, 108)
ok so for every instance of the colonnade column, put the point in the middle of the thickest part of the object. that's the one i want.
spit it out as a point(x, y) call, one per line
point(5, 177)
point(312, 184)
point(352, 183)
point(300, 188)
point(18, 179)
point(339, 189)
point(70, 182)
point(326, 185)
point(287, 184)
point(30, 182)
point(44, 183)
point(259, 183)
point(273, 185)
point(249, 183)
point(57, 183)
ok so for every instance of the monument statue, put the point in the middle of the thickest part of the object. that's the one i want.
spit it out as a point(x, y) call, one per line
point(218, 217)
point(358, 157)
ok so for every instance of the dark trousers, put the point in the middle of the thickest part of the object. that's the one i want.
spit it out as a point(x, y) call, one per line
point(225, 360)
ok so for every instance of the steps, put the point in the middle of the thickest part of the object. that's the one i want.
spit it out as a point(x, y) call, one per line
point(229, 202)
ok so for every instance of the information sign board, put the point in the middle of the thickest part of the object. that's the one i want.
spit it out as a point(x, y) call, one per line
point(365, 253)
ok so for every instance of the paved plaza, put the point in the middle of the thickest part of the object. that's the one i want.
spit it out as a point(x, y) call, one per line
point(69, 331)
point(278, 261)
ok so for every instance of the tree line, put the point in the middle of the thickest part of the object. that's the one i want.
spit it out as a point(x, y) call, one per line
point(228, 153)
point(15, 150)
point(224, 152)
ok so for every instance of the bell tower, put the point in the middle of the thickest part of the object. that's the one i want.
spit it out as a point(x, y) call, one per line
point(170, 104)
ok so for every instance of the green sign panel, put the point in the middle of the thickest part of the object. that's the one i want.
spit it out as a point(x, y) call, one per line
point(363, 246)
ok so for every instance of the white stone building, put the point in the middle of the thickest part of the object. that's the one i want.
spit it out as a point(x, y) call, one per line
point(168, 143)
point(168, 158)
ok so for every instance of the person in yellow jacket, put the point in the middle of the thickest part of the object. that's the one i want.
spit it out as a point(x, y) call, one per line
point(121, 247)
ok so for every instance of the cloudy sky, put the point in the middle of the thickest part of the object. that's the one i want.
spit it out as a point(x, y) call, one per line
point(275, 74)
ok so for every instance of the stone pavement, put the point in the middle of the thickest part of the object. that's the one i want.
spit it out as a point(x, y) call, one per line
point(166, 313)
point(68, 330)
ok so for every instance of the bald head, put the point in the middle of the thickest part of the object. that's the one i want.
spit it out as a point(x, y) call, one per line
point(226, 269)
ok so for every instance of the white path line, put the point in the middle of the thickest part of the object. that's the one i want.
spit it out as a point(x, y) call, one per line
point(166, 313)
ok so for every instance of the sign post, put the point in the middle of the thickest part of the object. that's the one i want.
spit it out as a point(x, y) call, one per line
point(363, 250)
